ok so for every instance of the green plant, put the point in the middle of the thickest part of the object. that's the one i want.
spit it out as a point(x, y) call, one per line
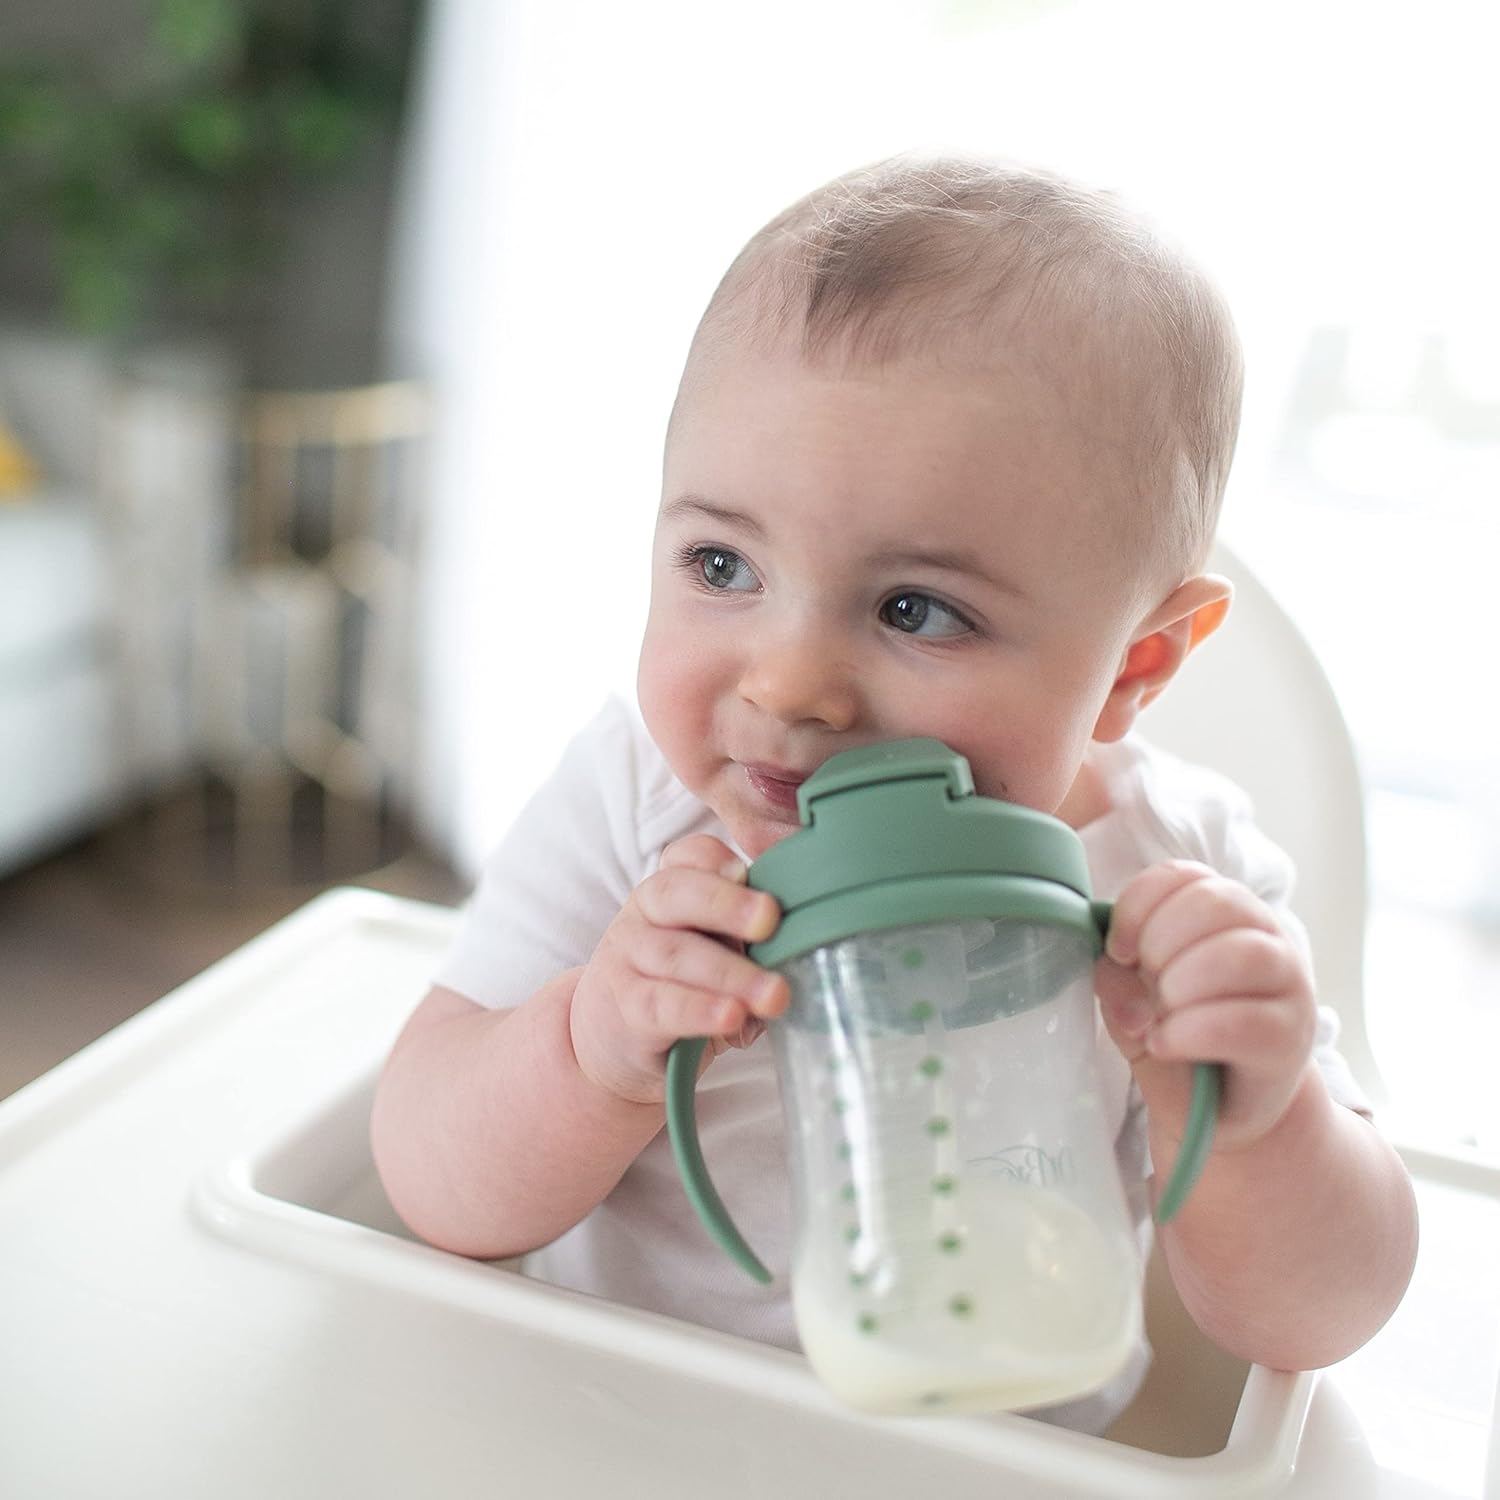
point(167, 190)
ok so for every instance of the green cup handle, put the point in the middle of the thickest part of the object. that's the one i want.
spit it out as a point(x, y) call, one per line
point(1197, 1140)
point(1203, 1116)
point(682, 1128)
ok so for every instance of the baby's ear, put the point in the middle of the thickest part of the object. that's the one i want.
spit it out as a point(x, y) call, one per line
point(1191, 613)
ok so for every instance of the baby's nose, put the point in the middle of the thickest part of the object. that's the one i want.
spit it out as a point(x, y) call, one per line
point(801, 680)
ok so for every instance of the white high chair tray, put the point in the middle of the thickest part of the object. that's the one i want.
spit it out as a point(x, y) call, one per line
point(203, 1292)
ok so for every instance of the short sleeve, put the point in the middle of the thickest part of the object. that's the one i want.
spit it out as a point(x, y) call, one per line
point(559, 876)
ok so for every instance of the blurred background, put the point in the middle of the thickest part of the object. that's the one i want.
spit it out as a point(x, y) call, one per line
point(337, 341)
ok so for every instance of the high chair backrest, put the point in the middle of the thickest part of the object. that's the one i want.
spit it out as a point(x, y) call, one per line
point(1253, 703)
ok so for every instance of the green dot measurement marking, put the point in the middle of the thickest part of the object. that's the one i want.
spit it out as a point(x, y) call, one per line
point(960, 1306)
point(950, 1243)
point(868, 1323)
point(923, 1011)
point(847, 1192)
point(852, 1233)
point(913, 958)
point(938, 1125)
point(930, 1067)
point(845, 1150)
point(945, 1186)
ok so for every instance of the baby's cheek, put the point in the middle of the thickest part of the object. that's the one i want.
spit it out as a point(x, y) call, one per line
point(669, 695)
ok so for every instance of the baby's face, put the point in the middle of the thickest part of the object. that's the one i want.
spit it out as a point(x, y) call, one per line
point(845, 559)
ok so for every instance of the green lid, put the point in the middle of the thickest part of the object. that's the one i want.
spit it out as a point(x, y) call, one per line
point(894, 834)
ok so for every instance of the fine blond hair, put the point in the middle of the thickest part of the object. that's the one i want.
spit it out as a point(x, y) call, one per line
point(952, 258)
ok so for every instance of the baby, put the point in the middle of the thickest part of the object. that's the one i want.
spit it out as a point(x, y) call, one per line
point(946, 460)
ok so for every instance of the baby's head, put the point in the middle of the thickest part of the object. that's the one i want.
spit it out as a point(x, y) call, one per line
point(946, 459)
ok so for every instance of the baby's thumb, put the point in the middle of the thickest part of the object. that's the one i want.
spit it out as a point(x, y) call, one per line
point(751, 1032)
point(1125, 1004)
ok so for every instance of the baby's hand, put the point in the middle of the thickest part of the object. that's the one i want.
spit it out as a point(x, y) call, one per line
point(671, 965)
point(1196, 969)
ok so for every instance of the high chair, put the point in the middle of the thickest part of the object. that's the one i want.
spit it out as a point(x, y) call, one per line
point(203, 1290)
point(1253, 702)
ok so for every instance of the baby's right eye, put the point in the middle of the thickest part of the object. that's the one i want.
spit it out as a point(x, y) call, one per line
point(719, 568)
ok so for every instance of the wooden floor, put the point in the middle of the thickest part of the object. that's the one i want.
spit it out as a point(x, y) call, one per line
point(94, 933)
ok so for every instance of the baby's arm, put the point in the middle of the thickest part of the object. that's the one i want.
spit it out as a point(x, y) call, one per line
point(1299, 1238)
point(495, 1131)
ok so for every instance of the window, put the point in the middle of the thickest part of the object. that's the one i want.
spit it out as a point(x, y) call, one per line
point(1328, 160)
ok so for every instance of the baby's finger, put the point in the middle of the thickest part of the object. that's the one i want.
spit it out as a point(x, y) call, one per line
point(676, 1010)
point(1258, 1038)
point(702, 851)
point(681, 896)
point(1241, 961)
point(1126, 1005)
point(674, 955)
point(1195, 912)
point(1140, 898)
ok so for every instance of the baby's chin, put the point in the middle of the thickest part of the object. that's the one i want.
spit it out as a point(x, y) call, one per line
point(753, 838)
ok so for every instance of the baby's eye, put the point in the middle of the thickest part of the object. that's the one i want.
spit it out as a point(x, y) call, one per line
point(921, 614)
point(721, 569)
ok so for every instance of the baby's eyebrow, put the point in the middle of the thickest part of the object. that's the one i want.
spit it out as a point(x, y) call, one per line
point(692, 505)
point(947, 561)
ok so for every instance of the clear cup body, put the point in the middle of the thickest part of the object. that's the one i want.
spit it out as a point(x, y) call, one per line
point(961, 1240)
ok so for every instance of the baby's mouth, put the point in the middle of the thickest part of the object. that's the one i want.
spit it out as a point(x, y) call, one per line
point(776, 785)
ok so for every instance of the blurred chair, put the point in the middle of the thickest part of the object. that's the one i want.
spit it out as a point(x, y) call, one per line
point(302, 672)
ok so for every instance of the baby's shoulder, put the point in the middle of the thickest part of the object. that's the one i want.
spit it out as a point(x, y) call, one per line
point(1169, 808)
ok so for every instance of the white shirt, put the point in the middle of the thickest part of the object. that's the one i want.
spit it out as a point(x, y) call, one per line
point(570, 861)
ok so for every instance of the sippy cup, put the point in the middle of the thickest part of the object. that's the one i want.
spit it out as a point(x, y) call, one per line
point(960, 1239)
